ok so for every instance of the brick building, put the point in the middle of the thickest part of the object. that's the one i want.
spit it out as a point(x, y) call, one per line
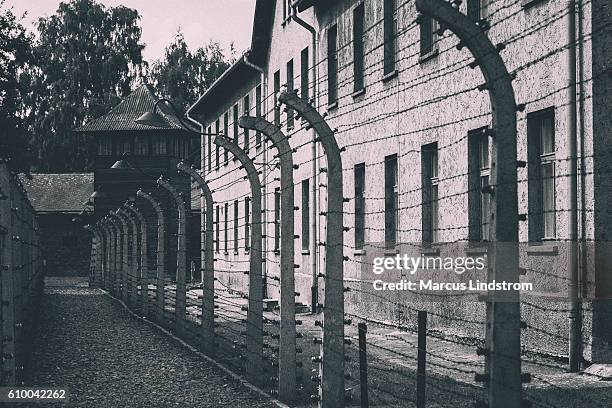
point(405, 104)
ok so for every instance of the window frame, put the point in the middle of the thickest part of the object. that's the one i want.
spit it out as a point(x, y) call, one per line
point(247, 224)
point(391, 200)
point(359, 177)
point(332, 65)
point(430, 198)
point(290, 87)
point(358, 47)
point(305, 215)
point(390, 37)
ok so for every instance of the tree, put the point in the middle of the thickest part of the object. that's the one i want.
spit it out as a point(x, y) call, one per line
point(87, 58)
point(15, 57)
point(184, 75)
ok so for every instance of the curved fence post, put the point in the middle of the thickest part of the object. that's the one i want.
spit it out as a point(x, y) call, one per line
point(207, 263)
point(125, 253)
point(116, 252)
point(503, 357)
point(161, 253)
point(255, 309)
point(133, 271)
point(143, 278)
point(180, 297)
point(332, 355)
point(287, 349)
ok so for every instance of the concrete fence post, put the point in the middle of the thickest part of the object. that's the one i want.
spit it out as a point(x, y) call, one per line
point(161, 253)
point(287, 349)
point(180, 297)
point(503, 354)
point(132, 256)
point(255, 309)
point(116, 253)
point(143, 278)
point(125, 254)
point(207, 262)
point(332, 354)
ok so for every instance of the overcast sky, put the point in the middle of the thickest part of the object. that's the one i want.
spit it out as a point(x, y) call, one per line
point(200, 20)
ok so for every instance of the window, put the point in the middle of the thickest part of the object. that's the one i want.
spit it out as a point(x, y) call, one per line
point(541, 174)
point(479, 170)
point(305, 215)
point(277, 120)
point(390, 29)
point(391, 201)
point(289, 89)
point(476, 9)
point(277, 203)
point(217, 153)
point(429, 191)
point(217, 224)
point(246, 107)
point(123, 145)
point(247, 224)
point(258, 113)
point(235, 226)
point(235, 127)
point(105, 146)
point(226, 133)
point(427, 28)
point(225, 228)
point(159, 145)
point(359, 173)
point(332, 65)
point(304, 75)
point(209, 144)
point(358, 56)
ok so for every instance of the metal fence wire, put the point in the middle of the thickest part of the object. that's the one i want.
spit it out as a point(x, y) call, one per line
point(21, 275)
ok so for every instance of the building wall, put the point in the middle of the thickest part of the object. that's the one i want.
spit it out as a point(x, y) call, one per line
point(434, 100)
point(66, 245)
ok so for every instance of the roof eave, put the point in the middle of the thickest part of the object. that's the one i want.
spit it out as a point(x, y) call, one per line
point(192, 110)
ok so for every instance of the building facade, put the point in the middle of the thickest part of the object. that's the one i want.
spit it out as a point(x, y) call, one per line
point(409, 110)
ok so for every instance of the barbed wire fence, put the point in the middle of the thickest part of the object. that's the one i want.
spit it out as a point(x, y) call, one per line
point(21, 276)
point(331, 367)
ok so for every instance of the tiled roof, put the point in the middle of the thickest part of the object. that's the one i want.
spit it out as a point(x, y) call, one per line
point(123, 116)
point(59, 192)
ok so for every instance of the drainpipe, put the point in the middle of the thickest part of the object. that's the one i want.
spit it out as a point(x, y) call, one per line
point(575, 334)
point(583, 170)
point(314, 210)
point(264, 175)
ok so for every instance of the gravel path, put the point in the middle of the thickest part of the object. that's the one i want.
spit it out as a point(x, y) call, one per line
point(90, 345)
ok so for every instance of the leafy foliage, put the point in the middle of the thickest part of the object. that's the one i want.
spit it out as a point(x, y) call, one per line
point(87, 58)
point(15, 56)
point(183, 75)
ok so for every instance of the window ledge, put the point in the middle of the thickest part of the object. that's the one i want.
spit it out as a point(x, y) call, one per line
point(390, 75)
point(235, 252)
point(289, 128)
point(225, 253)
point(480, 250)
point(530, 3)
point(276, 252)
point(359, 252)
point(332, 106)
point(430, 251)
point(543, 249)
point(391, 251)
point(430, 55)
point(359, 92)
point(305, 251)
